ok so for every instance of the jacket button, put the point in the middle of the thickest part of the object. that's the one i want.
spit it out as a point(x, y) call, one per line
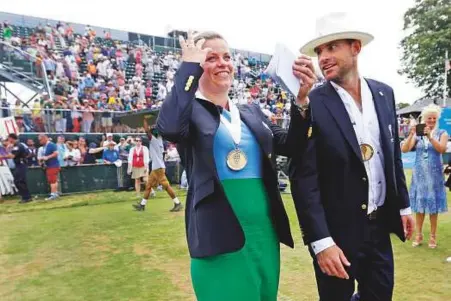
point(364, 179)
point(363, 206)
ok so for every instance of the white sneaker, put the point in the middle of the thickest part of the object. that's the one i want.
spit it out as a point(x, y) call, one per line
point(448, 259)
point(153, 194)
point(51, 198)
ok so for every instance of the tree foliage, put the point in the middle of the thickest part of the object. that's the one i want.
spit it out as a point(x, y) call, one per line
point(428, 25)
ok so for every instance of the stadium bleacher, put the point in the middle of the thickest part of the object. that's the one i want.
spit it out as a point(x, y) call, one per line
point(53, 60)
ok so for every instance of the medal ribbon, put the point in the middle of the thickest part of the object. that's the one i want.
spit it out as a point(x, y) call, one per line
point(233, 127)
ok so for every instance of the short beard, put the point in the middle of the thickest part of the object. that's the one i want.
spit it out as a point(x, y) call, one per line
point(343, 74)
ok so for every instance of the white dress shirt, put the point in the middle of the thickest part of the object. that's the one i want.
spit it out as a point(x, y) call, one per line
point(366, 127)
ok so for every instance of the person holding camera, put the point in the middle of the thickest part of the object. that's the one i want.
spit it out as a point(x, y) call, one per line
point(427, 192)
point(72, 155)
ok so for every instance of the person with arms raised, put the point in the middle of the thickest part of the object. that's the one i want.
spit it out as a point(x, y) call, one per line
point(235, 217)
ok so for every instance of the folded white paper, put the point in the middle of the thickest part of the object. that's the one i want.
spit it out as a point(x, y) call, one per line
point(280, 68)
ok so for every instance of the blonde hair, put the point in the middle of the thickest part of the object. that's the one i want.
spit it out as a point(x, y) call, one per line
point(431, 109)
point(207, 35)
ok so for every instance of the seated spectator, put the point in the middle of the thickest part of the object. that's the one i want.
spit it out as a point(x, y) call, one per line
point(110, 155)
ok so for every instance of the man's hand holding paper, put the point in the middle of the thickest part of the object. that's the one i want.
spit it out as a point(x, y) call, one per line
point(300, 80)
point(303, 70)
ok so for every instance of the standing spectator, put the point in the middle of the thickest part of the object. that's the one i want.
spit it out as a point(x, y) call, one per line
point(138, 163)
point(72, 155)
point(19, 154)
point(76, 115)
point(107, 35)
point(107, 119)
point(148, 91)
point(7, 32)
point(83, 149)
point(427, 192)
point(52, 166)
point(139, 70)
point(33, 153)
point(50, 66)
point(60, 116)
point(162, 92)
point(88, 117)
point(48, 114)
point(5, 108)
point(123, 148)
point(61, 149)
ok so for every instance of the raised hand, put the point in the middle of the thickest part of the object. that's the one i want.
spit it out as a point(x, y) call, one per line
point(193, 52)
point(303, 70)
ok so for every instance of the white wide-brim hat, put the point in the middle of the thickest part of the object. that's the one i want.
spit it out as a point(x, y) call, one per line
point(332, 27)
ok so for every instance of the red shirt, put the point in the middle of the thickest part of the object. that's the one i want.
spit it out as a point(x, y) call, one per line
point(138, 158)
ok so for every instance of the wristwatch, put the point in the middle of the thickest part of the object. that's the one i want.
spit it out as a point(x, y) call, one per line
point(301, 108)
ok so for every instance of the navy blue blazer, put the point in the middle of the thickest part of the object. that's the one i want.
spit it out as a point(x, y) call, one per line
point(329, 184)
point(211, 225)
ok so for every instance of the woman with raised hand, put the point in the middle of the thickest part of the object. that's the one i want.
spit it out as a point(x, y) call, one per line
point(427, 192)
point(235, 217)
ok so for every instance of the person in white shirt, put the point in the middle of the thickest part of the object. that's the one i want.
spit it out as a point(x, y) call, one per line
point(162, 91)
point(138, 164)
point(158, 173)
point(172, 155)
point(72, 156)
point(349, 187)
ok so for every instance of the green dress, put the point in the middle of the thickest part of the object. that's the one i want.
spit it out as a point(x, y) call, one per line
point(252, 273)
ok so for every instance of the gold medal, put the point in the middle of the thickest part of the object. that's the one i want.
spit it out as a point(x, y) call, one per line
point(367, 151)
point(236, 160)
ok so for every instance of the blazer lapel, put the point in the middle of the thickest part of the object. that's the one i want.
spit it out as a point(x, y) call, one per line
point(337, 109)
point(385, 127)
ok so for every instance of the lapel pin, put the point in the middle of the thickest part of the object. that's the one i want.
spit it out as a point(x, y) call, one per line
point(309, 133)
point(382, 94)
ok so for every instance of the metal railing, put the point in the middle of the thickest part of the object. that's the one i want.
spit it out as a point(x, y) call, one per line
point(24, 65)
point(46, 120)
point(42, 120)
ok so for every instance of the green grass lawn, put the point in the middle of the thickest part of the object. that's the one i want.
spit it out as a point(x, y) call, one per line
point(94, 247)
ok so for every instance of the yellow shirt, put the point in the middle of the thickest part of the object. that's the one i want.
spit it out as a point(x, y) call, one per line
point(112, 100)
point(36, 109)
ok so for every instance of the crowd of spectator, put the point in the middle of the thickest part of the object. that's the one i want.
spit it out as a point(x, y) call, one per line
point(92, 78)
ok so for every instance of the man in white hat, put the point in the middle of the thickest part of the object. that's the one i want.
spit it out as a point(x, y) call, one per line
point(349, 189)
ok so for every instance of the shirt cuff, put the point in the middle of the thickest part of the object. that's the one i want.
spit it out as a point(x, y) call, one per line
point(322, 244)
point(405, 211)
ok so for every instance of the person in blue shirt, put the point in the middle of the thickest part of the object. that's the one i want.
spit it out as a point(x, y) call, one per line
point(52, 165)
point(89, 82)
point(110, 155)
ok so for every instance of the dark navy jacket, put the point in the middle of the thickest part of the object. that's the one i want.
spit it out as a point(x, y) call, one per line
point(330, 185)
point(211, 225)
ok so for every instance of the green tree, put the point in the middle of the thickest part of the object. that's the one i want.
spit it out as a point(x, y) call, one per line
point(401, 105)
point(428, 25)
